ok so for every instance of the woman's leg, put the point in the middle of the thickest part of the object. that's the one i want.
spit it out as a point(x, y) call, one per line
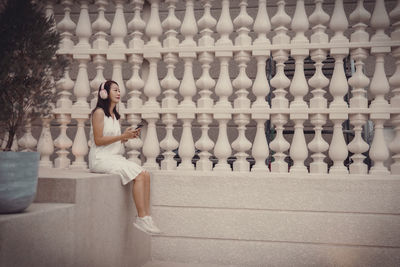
point(147, 193)
point(139, 194)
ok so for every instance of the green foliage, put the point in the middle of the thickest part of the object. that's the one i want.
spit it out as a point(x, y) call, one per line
point(28, 64)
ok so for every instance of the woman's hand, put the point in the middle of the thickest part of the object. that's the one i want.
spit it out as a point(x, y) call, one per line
point(129, 134)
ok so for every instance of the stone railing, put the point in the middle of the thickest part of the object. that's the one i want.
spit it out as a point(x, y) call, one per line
point(154, 47)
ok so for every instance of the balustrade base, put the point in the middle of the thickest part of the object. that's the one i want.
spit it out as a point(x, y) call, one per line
point(279, 167)
point(318, 167)
point(395, 168)
point(358, 168)
point(204, 165)
point(61, 163)
point(79, 166)
point(241, 166)
point(46, 164)
point(338, 170)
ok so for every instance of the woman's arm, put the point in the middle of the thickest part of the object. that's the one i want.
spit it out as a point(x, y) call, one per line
point(98, 125)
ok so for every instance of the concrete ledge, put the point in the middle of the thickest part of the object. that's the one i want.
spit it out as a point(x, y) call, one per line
point(282, 226)
point(333, 193)
point(257, 253)
point(40, 236)
point(99, 227)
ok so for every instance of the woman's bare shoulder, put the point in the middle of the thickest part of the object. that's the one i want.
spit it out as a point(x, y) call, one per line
point(99, 113)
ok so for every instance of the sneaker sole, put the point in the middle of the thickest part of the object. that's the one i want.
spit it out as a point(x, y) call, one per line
point(142, 229)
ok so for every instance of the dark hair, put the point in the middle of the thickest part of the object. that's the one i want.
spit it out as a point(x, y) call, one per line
point(105, 103)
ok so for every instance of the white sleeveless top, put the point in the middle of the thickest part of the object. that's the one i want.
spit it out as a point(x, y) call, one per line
point(109, 158)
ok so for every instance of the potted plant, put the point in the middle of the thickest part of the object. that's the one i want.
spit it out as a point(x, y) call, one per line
point(28, 67)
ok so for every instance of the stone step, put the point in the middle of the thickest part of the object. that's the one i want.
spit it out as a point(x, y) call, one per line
point(276, 191)
point(42, 235)
point(181, 264)
point(276, 219)
point(248, 253)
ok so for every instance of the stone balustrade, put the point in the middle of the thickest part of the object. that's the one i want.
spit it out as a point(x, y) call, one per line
point(243, 110)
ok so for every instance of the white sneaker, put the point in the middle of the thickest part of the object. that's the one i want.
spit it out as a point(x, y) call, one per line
point(152, 225)
point(142, 225)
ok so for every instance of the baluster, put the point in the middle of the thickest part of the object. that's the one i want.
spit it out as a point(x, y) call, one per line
point(169, 143)
point(379, 86)
point(80, 145)
point(134, 85)
point(66, 26)
point(260, 150)
point(27, 141)
point(395, 99)
point(151, 147)
point(117, 60)
point(81, 87)
point(186, 145)
point(223, 88)
point(101, 26)
point(152, 89)
point(242, 23)
point(222, 149)
point(170, 83)
point(119, 28)
point(152, 86)
point(65, 85)
point(318, 81)
point(204, 144)
point(360, 16)
point(224, 25)
point(62, 142)
point(63, 116)
point(395, 15)
point(80, 111)
point(299, 88)
point(242, 83)
point(153, 28)
point(187, 88)
point(189, 26)
point(338, 88)
point(241, 144)
point(171, 23)
point(261, 89)
point(99, 61)
point(45, 143)
point(153, 31)
point(260, 86)
point(205, 83)
point(338, 113)
point(134, 144)
point(280, 21)
point(262, 26)
point(358, 145)
point(318, 145)
point(137, 25)
point(300, 23)
point(339, 23)
point(83, 28)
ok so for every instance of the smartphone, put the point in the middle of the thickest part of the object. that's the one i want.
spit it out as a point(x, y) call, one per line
point(139, 126)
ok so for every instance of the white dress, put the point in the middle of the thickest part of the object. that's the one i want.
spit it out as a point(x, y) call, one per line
point(109, 158)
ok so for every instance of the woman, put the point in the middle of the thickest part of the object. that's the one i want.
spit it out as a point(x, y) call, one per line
point(106, 148)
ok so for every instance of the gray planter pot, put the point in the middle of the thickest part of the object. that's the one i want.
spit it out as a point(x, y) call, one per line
point(18, 180)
